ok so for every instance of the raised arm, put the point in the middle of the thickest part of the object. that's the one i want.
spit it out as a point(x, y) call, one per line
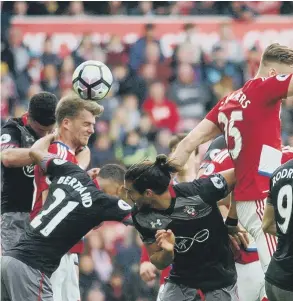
point(203, 132)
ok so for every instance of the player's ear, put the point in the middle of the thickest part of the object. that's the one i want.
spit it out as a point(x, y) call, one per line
point(66, 123)
point(148, 193)
point(272, 72)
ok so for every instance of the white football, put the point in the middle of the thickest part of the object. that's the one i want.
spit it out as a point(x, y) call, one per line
point(92, 80)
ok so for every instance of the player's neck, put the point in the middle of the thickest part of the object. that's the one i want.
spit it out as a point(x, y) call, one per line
point(163, 201)
point(262, 72)
point(66, 139)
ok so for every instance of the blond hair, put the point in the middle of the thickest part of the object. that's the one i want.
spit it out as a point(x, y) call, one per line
point(276, 53)
point(71, 105)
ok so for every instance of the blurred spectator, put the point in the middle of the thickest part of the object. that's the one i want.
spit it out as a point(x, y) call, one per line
point(114, 289)
point(130, 104)
point(181, 7)
point(119, 125)
point(232, 48)
point(137, 50)
point(101, 258)
point(134, 149)
point(88, 277)
point(76, 8)
point(116, 52)
point(96, 295)
point(34, 70)
point(265, 7)
point(88, 51)
point(152, 56)
point(162, 141)
point(146, 128)
point(48, 57)
point(8, 93)
point(110, 105)
point(20, 8)
point(66, 71)
point(252, 62)
point(116, 8)
point(204, 8)
point(220, 66)
point(163, 112)
point(128, 82)
point(191, 96)
point(240, 11)
point(20, 56)
point(102, 152)
point(149, 73)
point(50, 82)
point(144, 8)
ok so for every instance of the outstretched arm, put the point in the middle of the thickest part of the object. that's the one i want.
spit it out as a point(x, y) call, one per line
point(203, 132)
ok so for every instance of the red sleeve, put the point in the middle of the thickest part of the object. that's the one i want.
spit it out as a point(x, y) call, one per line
point(273, 88)
point(144, 254)
point(225, 165)
point(287, 154)
point(213, 114)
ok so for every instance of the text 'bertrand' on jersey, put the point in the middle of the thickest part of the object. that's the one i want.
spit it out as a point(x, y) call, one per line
point(240, 97)
point(78, 187)
point(284, 173)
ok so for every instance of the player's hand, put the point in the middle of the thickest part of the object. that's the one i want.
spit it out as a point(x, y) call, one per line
point(93, 173)
point(147, 271)
point(238, 237)
point(166, 240)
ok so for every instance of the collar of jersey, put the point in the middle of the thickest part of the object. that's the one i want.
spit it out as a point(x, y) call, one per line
point(59, 142)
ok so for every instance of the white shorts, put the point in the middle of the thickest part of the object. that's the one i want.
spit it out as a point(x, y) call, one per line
point(250, 281)
point(65, 282)
point(250, 215)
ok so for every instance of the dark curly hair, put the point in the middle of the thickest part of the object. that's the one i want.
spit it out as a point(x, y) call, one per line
point(42, 108)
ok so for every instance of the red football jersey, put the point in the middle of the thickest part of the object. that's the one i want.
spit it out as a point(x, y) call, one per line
point(287, 154)
point(41, 183)
point(250, 120)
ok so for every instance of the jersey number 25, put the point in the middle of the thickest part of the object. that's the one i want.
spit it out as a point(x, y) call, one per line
point(232, 131)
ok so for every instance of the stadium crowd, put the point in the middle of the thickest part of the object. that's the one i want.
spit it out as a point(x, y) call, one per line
point(152, 97)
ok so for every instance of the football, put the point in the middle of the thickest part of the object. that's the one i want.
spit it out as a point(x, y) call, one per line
point(92, 80)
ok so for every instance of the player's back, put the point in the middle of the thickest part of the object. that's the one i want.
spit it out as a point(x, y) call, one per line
point(73, 207)
point(280, 271)
point(250, 120)
point(41, 181)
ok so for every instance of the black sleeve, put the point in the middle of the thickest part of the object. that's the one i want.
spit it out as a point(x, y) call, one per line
point(114, 209)
point(55, 167)
point(211, 189)
point(10, 138)
point(147, 235)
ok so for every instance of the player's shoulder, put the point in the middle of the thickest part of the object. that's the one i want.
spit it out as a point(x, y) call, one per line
point(283, 170)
